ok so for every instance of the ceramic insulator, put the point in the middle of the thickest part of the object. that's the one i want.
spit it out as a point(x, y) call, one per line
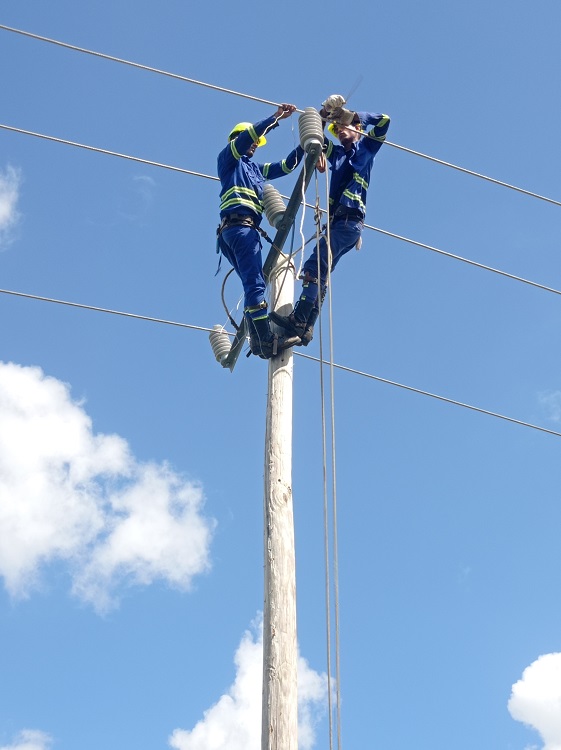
point(310, 128)
point(273, 205)
point(220, 342)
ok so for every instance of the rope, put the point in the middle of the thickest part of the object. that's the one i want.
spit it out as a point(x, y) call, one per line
point(334, 482)
point(265, 101)
point(325, 494)
point(334, 473)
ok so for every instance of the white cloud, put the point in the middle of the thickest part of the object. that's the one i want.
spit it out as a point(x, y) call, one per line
point(536, 699)
point(234, 722)
point(69, 494)
point(10, 181)
point(30, 739)
point(551, 403)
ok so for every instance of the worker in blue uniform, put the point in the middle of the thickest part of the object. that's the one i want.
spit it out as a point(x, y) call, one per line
point(241, 211)
point(350, 166)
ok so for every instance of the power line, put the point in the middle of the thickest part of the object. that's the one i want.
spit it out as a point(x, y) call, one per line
point(299, 354)
point(434, 395)
point(475, 174)
point(135, 65)
point(148, 68)
point(423, 245)
point(105, 151)
point(103, 309)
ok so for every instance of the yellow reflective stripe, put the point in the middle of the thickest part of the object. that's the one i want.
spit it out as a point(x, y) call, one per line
point(286, 169)
point(253, 134)
point(375, 137)
point(383, 121)
point(234, 150)
point(241, 202)
point(354, 197)
point(331, 201)
point(360, 180)
point(329, 148)
point(260, 306)
point(256, 209)
point(239, 189)
point(266, 169)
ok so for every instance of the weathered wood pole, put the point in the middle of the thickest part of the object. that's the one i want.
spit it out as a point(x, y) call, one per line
point(280, 695)
point(280, 690)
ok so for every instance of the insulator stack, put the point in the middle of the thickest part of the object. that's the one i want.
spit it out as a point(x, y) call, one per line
point(220, 342)
point(310, 128)
point(273, 205)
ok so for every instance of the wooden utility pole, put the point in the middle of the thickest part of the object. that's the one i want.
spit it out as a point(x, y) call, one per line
point(280, 649)
point(280, 697)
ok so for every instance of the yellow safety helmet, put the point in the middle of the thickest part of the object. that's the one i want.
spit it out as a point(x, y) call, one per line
point(240, 127)
point(333, 127)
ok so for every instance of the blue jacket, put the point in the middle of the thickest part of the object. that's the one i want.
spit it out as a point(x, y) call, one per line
point(350, 170)
point(242, 179)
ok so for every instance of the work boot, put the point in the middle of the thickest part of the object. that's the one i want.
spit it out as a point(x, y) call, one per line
point(308, 334)
point(297, 322)
point(264, 343)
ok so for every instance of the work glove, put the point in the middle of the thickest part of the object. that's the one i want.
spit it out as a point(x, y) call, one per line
point(332, 102)
point(342, 116)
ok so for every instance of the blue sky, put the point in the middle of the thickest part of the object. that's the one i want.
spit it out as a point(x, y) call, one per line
point(131, 463)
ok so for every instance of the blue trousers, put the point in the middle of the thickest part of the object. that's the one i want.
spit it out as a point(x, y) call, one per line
point(344, 234)
point(241, 246)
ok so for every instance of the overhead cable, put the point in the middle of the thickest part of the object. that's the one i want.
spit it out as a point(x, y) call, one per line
point(105, 151)
point(299, 354)
point(96, 149)
point(435, 395)
point(266, 101)
point(104, 310)
point(136, 65)
point(475, 174)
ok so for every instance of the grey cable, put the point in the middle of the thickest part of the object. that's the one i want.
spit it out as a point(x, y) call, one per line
point(434, 395)
point(105, 151)
point(474, 174)
point(106, 310)
point(266, 101)
point(309, 205)
point(299, 354)
point(135, 65)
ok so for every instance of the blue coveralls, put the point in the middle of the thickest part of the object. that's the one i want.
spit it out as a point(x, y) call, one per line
point(350, 176)
point(241, 195)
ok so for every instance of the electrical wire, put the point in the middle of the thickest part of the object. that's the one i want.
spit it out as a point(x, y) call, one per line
point(106, 310)
point(445, 399)
point(298, 354)
point(185, 79)
point(105, 151)
point(148, 68)
point(416, 243)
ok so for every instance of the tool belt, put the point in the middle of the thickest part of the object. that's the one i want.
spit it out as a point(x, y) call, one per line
point(236, 220)
point(342, 212)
